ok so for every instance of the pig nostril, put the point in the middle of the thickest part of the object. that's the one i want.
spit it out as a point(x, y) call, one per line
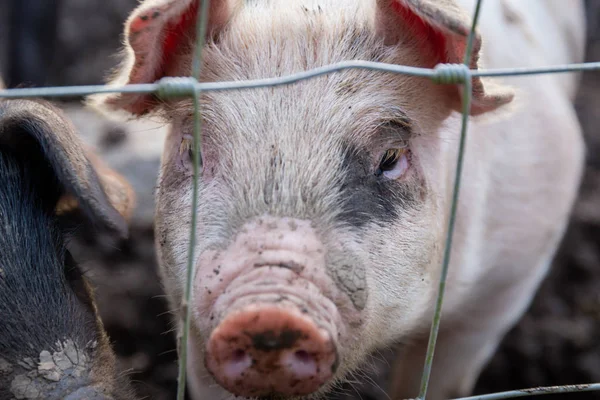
point(303, 356)
point(301, 363)
point(238, 355)
point(238, 362)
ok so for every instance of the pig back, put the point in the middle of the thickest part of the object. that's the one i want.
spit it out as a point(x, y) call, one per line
point(532, 33)
point(522, 166)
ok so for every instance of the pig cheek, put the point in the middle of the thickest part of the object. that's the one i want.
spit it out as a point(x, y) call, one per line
point(404, 275)
point(208, 286)
point(352, 281)
point(350, 287)
point(211, 283)
point(210, 163)
point(174, 208)
point(173, 214)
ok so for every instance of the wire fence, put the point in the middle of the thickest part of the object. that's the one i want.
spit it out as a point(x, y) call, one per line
point(456, 74)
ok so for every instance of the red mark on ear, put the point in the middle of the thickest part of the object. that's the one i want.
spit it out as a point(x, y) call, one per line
point(178, 31)
point(144, 20)
point(421, 28)
point(157, 37)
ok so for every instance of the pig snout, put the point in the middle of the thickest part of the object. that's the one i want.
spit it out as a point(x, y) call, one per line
point(276, 319)
point(266, 349)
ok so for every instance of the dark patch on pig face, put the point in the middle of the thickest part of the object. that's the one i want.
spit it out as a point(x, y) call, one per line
point(270, 341)
point(368, 198)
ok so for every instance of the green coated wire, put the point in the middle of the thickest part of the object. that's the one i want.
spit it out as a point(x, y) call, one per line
point(435, 326)
point(186, 309)
point(167, 87)
point(538, 391)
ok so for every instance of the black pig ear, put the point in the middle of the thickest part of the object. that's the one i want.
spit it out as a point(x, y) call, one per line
point(36, 129)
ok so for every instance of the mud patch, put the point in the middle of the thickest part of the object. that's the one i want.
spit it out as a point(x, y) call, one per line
point(54, 375)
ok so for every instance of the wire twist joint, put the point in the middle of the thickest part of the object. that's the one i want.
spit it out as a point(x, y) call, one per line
point(176, 87)
point(450, 74)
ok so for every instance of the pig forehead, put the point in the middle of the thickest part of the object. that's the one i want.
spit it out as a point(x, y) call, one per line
point(336, 108)
point(266, 43)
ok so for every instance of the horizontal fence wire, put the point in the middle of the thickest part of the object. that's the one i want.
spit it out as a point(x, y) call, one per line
point(442, 74)
point(538, 391)
point(183, 86)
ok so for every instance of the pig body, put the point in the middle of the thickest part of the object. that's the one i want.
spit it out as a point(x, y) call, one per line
point(52, 342)
point(513, 210)
point(324, 204)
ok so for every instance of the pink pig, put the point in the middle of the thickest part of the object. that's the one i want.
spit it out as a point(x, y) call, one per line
point(324, 204)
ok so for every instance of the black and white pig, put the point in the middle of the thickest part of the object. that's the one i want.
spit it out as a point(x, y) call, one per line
point(323, 205)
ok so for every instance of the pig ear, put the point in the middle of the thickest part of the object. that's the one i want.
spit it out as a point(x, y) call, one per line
point(36, 130)
point(159, 41)
point(118, 190)
point(440, 29)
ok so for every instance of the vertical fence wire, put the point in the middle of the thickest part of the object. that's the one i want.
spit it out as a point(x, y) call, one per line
point(201, 26)
point(467, 97)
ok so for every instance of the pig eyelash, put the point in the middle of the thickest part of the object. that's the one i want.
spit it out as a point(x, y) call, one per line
point(186, 151)
point(394, 163)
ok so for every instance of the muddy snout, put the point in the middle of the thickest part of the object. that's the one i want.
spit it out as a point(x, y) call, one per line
point(276, 321)
point(268, 349)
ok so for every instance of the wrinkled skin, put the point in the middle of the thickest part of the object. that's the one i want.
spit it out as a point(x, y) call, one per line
point(323, 205)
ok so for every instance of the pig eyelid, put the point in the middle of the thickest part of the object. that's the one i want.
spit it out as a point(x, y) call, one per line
point(394, 163)
point(391, 134)
point(186, 149)
point(396, 128)
point(186, 145)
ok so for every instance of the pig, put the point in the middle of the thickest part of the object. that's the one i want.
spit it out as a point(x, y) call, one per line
point(323, 205)
point(52, 342)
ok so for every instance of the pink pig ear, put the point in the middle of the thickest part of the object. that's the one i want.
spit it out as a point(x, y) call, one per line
point(440, 28)
point(160, 37)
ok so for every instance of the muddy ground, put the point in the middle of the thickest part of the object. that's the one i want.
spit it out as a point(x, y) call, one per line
point(556, 343)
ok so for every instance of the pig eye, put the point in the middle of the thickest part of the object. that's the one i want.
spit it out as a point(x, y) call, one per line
point(394, 163)
point(186, 152)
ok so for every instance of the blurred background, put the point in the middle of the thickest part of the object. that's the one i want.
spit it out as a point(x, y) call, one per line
point(74, 42)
